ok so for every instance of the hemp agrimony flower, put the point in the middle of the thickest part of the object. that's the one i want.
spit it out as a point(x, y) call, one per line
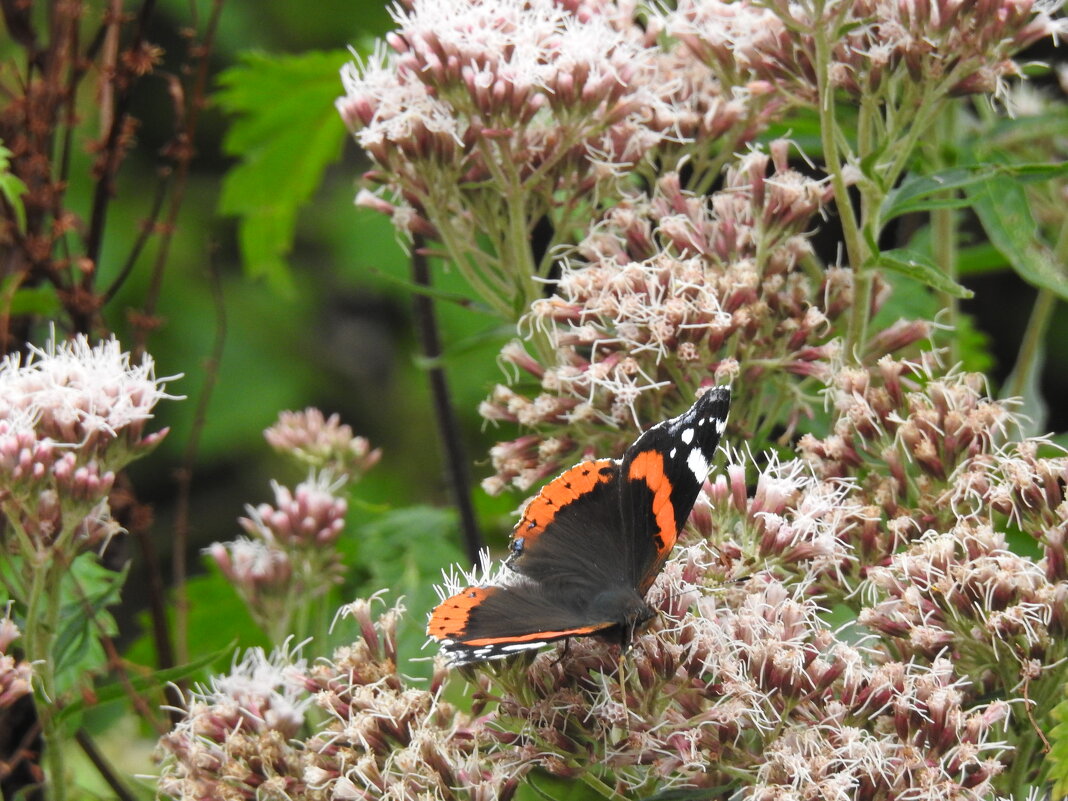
point(71, 415)
point(15, 674)
point(289, 561)
point(322, 443)
point(541, 104)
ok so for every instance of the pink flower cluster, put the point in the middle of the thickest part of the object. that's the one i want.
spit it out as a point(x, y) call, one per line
point(878, 45)
point(16, 675)
point(322, 443)
point(311, 516)
point(747, 686)
point(235, 741)
point(348, 727)
point(676, 291)
point(469, 85)
point(547, 105)
point(289, 558)
point(71, 415)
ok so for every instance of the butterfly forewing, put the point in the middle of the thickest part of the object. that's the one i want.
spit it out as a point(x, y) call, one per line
point(662, 475)
point(571, 539)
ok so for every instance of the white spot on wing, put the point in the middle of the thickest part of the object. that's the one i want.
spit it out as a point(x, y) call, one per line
point(698, 464)
point(523, 646)
point(687, 436)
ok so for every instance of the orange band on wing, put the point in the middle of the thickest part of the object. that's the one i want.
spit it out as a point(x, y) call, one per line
point(449, 618)
point(648, 466)
point(539, 635)
point(561, 491)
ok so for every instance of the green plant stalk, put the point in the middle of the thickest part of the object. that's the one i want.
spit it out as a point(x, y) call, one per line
point(598, 785)
point(42, 615)
point(457, 254)
point(1027, 360)
point(944, 230)
point(856, 251)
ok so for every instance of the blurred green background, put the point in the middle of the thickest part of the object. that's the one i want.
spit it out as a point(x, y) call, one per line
point(328, 324)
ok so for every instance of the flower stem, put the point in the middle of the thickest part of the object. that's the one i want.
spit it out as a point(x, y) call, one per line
point(856, 251)
point(944, 230)
point(42, 616)
point(1029, 356)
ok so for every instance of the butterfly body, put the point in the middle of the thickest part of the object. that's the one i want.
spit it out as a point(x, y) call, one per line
point(589, 545)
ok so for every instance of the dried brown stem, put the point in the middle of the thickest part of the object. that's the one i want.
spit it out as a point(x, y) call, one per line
point(444, 414)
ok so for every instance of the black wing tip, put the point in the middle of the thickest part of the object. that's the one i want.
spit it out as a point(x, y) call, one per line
point(717, 400)
point(717, 395)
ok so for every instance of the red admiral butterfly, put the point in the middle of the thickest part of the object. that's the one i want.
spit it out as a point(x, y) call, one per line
point(589, 545)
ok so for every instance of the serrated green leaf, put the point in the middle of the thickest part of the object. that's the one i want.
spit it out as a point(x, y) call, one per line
point(87, 589)
point(917, 193)
point(1005, 214)
point(285, 134)
point(917, 265)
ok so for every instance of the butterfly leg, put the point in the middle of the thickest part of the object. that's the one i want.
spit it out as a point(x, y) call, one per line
point(563, 653)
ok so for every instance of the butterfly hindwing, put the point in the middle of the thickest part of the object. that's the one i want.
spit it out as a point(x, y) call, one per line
point(494, 621)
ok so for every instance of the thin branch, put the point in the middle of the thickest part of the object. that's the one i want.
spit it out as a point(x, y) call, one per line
point(147, 229)
point(103, 767)
point(184, 474)
point(104, 189)
point(183, 147)
point(444, 414)
point(161, 634)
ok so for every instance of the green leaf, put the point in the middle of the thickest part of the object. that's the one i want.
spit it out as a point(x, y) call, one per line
point(405, 550)
point(216, 617)
point(37, 300)
point(286, 133)
point(1057, 758)
point(1012, 133)
point(1002, 207)
point(117, 690)
point(917, 265)
point(916, 193)
point(86, 591)
point(980, 259)
point(12, 188)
